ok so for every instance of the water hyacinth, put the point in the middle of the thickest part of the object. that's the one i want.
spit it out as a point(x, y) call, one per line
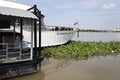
point(83, 50)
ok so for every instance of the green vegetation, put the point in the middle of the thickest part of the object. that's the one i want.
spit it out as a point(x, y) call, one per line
point(92, 30)
point(82, 50)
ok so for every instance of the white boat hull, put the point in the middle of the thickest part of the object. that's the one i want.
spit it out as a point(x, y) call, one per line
point(51, 38)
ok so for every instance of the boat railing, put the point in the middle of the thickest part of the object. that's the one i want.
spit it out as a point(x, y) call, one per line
point(12, 52)
point(59, 28)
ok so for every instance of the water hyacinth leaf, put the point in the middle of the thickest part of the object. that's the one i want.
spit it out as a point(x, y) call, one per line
point(83, 50)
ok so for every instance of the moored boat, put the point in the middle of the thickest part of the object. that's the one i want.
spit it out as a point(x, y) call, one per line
point(49, 36)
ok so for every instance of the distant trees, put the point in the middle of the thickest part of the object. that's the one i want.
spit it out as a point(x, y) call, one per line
point(91, 30)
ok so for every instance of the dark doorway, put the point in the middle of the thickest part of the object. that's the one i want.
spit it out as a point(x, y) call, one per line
point(0, 41)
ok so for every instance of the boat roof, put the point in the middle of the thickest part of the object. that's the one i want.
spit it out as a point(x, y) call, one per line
point(6, 3)
point(12, 12)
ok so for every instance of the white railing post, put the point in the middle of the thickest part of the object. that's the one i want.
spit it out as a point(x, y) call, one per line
point(6, 51)
point(20, 51)
point(32, 29)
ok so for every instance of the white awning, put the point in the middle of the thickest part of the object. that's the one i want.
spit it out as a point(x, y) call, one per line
point(6, 11)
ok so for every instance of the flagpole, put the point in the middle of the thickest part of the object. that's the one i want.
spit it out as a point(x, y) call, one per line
point(77, 24)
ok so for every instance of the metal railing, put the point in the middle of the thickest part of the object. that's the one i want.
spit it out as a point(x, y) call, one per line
point(12, 52)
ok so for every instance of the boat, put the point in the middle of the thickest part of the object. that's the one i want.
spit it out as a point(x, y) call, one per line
point(56, 37)
point(50, 36)
point(22, 35)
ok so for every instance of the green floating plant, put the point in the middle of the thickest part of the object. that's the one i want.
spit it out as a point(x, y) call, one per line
point(82, 50)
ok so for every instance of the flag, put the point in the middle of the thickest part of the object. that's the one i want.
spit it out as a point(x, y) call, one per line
point(76, 23)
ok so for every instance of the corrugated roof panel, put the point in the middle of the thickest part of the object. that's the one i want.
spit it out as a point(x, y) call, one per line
point(16, 12)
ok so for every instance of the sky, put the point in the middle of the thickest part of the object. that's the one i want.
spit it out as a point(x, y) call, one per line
point(90, 14)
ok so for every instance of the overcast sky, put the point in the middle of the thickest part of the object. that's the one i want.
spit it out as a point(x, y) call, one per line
point(91, 14)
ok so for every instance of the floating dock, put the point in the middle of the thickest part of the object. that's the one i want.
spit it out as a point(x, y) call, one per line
point(16, 57)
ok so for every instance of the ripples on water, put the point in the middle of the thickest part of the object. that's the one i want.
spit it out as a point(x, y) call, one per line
point(97, 68)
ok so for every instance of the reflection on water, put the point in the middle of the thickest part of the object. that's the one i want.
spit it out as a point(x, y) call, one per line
point(97, 68)
point(49, 66)
point(36, 76)
point(55, 65)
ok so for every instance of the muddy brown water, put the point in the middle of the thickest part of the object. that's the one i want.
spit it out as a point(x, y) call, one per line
point(97, 68)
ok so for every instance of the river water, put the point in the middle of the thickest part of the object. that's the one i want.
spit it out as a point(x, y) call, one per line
point(95, 68)
point(97, 36)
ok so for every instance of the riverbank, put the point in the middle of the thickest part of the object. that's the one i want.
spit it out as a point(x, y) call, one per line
point(92, 30)
point(82, 50)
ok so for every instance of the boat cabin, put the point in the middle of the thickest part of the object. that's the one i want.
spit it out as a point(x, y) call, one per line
point(12, 46)
point(8, 36)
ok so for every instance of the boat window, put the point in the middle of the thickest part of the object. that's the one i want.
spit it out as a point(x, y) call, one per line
point(4, 24)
